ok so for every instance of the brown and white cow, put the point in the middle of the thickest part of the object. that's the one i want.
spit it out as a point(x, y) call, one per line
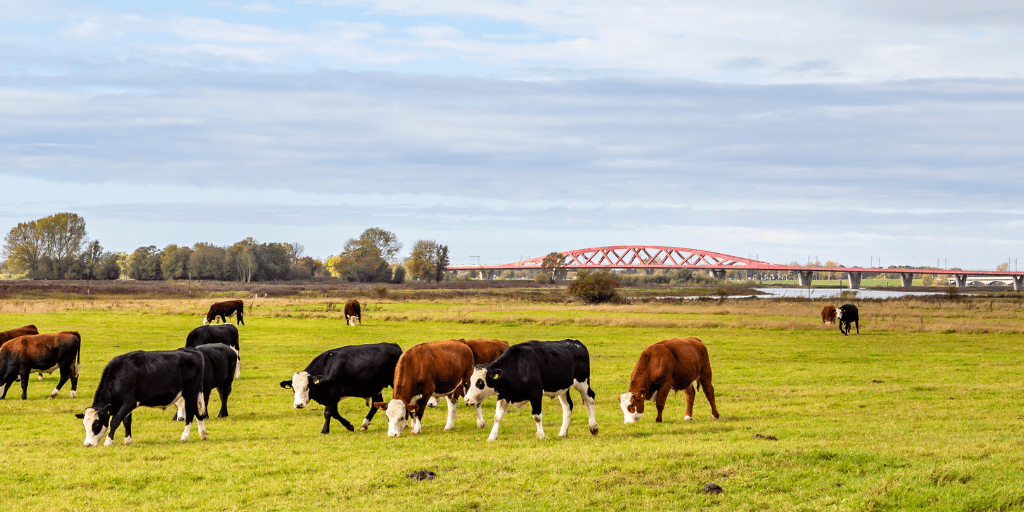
point(353, 313)
point(437, 368)
point(23, 355)
point(828, 314)
point(224, 310)
point(6, 336)
point(485, 351)
point(665, 366)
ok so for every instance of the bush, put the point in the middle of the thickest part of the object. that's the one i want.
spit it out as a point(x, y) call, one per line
point(593, 287)
point(381, 292)
point(542, 279)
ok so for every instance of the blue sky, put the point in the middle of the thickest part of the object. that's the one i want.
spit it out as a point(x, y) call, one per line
point(842, 130)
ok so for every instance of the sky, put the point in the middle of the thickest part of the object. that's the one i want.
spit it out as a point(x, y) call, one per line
point(856, 131)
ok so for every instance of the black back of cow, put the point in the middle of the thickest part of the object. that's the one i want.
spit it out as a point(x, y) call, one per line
point(847, 314)
point(546, 365)
point(358, 370)
point(225, 334)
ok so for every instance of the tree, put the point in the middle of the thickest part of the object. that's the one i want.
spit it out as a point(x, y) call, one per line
point(174, 262)
point(207, 261)
point(428, 260)
point(47, 248)
point(144, 264)
point(554, 266)
point(361, 261)
point(385, 241)
point(593, 287)
point(241, 262)
point(1003, 267)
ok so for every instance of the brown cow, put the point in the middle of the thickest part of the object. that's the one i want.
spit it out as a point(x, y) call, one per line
point(20, 356)
point(665, 366)
point(828, 314)
point(22, 331)
point(225, 309)
point(353, 313)
point(437, 368)
point(484, 352)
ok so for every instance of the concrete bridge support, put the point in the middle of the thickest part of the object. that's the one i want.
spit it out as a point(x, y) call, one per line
point(854, 280)
point(961, 280)
point(906, 279)
point(1018, 283)
point(804, 278)
point(719, 274)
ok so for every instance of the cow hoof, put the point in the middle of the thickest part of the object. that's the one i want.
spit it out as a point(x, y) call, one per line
point(540, 436)
point(362, 429)
point(685, 418)
point(222, 415)
point(492, 438)
point(593, 430)
point(108, 441)
point(481, 425)
point(73, 394)
point(128, 441)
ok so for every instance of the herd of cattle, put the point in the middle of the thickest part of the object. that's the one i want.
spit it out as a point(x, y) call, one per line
point(472, 370)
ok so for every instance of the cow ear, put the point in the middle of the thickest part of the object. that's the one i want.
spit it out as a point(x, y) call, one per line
point(381, 405)
point(497, 374)
point(640, 395)
point(80, 415)
point(412, 407)
point(287, 384)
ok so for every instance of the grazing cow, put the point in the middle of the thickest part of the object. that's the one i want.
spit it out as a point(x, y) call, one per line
point(529, 371)
point(20, 356)
point(828, 314)
point(353, 313)
point(484, 352)
point(223, 310)
point(6, 336)
point(220, 363)
point(665, 366)
point(847, 314)
point(437, 368)
point(359, 371)
point(150, 379)
point(224, 334)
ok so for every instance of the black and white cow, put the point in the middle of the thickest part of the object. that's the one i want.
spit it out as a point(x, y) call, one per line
point(151, 379)
point(847, 314)
point(220, 364)
point(529, 371)
point(361, 371)
point(225, 334)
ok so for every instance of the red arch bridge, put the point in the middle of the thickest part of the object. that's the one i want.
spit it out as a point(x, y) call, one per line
point(648, 257)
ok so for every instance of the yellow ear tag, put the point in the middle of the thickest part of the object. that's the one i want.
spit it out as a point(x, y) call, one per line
point(496, 377)
point(316, 381)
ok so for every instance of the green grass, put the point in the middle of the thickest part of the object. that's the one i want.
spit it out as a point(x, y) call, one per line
point(887, 420)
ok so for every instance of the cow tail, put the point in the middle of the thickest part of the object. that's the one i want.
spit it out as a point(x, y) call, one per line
point(78, 357)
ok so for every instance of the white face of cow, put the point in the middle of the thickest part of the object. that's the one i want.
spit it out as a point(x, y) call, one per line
point(478, 388)
point(839, 314)
point(351, 319)
point(630, 412)
point(300, 385)
point(95, 423)
point(397, 413)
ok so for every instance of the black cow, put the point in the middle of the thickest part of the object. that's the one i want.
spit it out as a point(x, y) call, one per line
point(223, 310)
point(151, 379)
point(359, 371)
point(22, 355)
point(529, 371)
point(220, 371)
point(847, 314)
point(225, 334)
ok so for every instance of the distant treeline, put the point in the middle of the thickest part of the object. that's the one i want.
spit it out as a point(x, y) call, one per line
point(57, 247)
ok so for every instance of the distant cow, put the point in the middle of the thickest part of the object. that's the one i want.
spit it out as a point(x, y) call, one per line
point(224, 310)
point(20, 356)
point(665, 366)
point(847, 314)
point(353, 313)
point(484, 352)
point(828, 314)
point(437, 368)
point(150, 379)
point(529, 371)
point(358, 371)
point(6, 336)
point(220, 365)
point(224, 334)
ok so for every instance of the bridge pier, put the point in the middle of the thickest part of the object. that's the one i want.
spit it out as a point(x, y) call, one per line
point(961, 280)
point(854, 280)
point(718, 274)
point(804, 278)
point(1018, 283)
point(906, 279)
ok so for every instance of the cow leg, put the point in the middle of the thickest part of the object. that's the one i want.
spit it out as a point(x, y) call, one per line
point(24, 384)
point(379, 397)
point(661, 396)
point(709, 392)
point(128, 430)
point(344, 422)
point(74, 378)
point(179, 413)
point(857, 323)
point(453, 404)
point(690, 393)
point(3, 390)
point(327, 418)
point(499, 414)
point(118, 418)
point(417, 418)
point(538, 415)
point(566, 413)
point(480, 423)
point(64, 376)
point(588, 396)
point(223, 392)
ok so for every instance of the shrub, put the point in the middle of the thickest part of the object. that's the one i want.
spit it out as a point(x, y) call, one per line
point(593, 287)
point(381, 292)
point(542, 278)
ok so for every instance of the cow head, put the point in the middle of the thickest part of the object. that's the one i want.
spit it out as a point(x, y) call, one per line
point(632, 406)
point(397, 412)
point(351, 319)
point(302, 383)
point(95, 422)
point(839, 314)
point(478, 388)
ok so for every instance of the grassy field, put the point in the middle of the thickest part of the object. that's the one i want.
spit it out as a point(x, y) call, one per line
point(922, 410)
